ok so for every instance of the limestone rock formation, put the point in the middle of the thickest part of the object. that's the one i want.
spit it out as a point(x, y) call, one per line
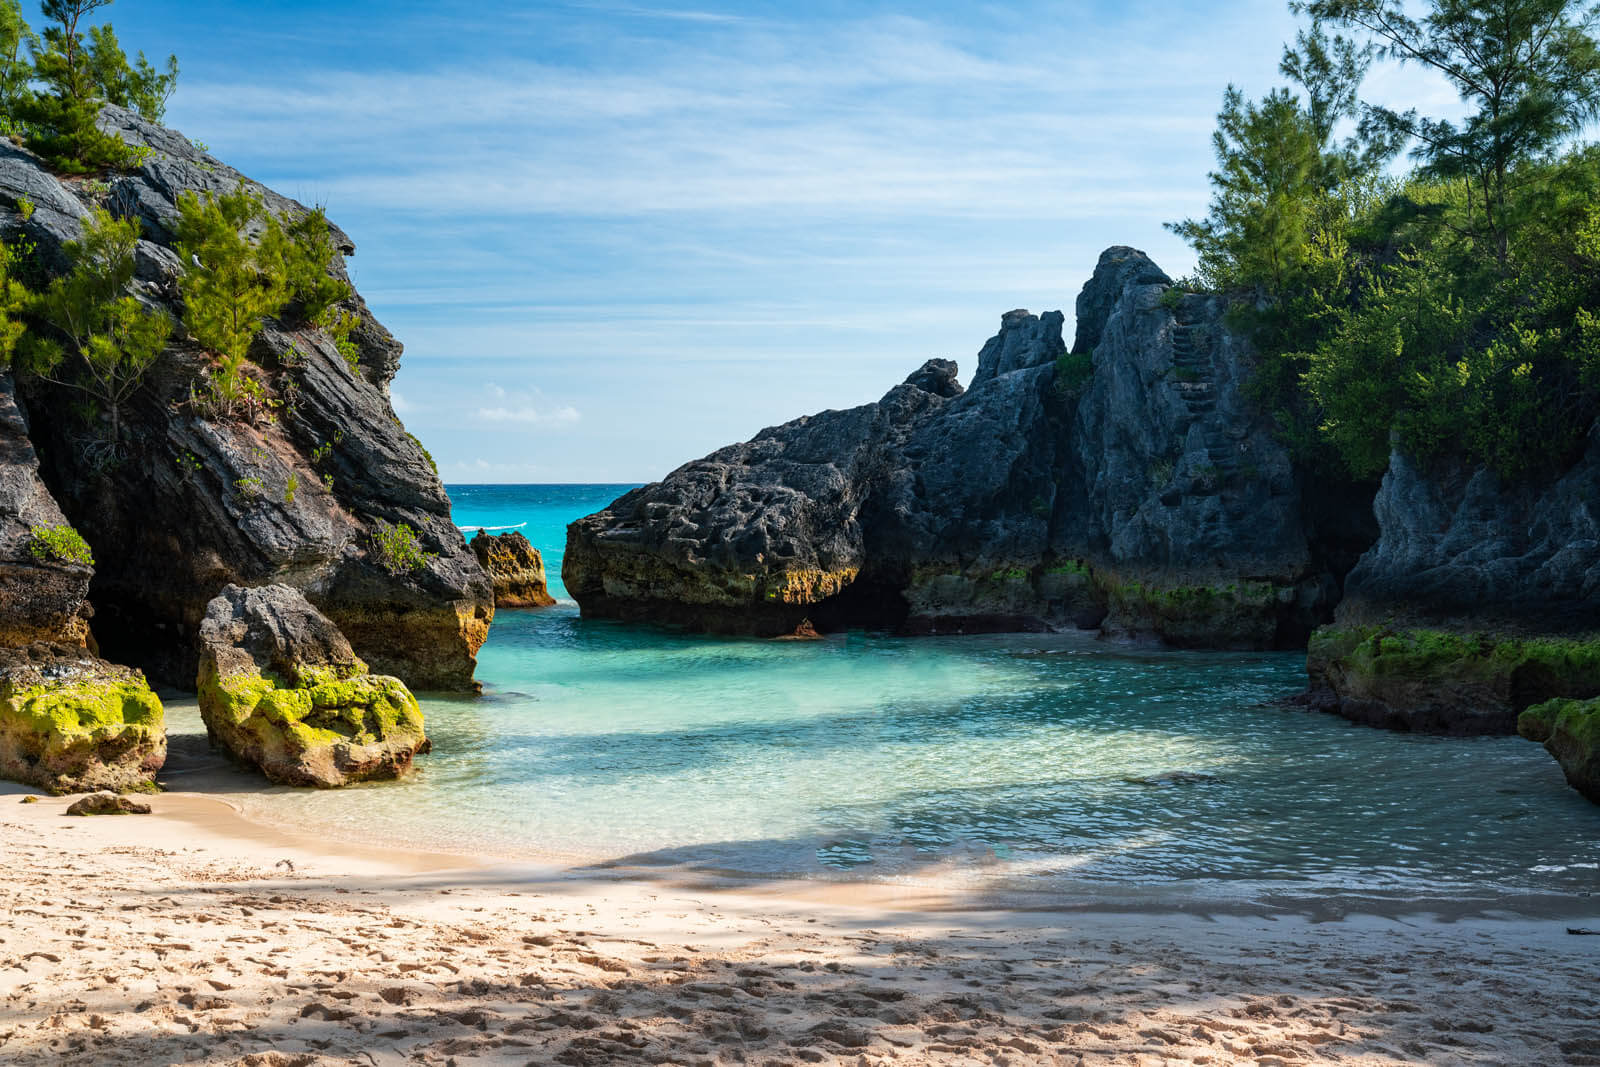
point(1500, 585)
point(196, 503)
point(72, 723)
point(515, 567)
point(43, 589)
point(1130, 483)
point(281, 689)
point(1569, 731)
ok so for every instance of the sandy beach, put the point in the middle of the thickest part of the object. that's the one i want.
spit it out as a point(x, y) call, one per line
point(193, 936)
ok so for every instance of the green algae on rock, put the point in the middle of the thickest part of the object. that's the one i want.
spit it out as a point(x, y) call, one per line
point(282, 690)
point(1569, 731)
point(71, 723)
point(1440, 682)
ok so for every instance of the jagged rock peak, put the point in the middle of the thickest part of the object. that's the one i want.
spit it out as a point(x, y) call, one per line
point(1024, 341)
point(937, 376)
point(1120, 268)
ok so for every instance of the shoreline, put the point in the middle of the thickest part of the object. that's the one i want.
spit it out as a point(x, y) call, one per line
point(184, 935)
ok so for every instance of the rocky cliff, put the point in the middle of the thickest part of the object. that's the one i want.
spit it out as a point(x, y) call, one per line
point(1478, 602)
point(302, 495)
point(1128, 483)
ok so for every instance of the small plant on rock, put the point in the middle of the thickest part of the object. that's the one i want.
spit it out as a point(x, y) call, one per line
point(397, 550)
point(59, 544)
point(250, 488)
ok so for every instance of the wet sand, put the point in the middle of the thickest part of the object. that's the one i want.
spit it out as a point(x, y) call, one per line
point(194, 936)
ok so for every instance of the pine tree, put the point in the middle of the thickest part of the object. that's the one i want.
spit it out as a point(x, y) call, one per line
point(61, 121)
point(15, 69)
point(1530, 68)
point(111, 339)
point(139, 85)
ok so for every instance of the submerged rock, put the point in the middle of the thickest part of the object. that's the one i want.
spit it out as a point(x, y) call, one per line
point(195, 502)
point(1569, 731)
point(1129, 483)
point(515, 567)
point(107, 804)
point(282, 690)
point(72, 723)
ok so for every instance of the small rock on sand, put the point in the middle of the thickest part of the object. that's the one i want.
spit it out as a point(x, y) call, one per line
point(108, 804)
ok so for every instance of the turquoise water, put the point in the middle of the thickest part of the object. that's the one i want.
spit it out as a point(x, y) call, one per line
point(1018, 762)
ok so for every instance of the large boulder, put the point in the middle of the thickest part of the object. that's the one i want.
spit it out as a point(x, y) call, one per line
point(44, 576)
point(306, 497)
point(73, 723)
point(1132, 484)
point(282, 690)
point(515, 567)
point(1569, 731)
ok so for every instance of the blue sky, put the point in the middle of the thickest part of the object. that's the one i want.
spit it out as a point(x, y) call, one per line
point(616, 236)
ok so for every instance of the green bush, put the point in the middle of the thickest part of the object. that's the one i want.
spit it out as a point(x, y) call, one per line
point(1073, 372)
point(60, 544)
point(397, 550)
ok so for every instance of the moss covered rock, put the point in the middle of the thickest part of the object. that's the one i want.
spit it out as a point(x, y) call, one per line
point(1569, 731)
point(281, 690)
point(71, 723)
point(1440, 682)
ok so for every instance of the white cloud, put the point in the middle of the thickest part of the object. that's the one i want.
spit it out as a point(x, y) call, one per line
point(532, 416)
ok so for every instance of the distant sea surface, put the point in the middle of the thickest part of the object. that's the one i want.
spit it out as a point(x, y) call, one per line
point(1031, 763)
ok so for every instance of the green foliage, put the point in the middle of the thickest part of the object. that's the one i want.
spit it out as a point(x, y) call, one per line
point(250, 488)
point(397, 550)
point(105, 341)
point(1452, 312)
point(1073, 371)
point(61, 544)
point(290, 488)
point(138, 85)
point(15, 70)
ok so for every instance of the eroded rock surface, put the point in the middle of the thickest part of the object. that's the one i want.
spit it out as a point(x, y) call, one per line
point(193, 503)
point(1130, 484)
point(73, 723)
point(43, 595)
point(515, 567)
point(281, 689)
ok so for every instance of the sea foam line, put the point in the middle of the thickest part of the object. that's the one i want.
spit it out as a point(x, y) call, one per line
point(475, 526)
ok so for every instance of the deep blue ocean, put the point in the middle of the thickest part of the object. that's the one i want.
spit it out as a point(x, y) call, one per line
point(1057, 764)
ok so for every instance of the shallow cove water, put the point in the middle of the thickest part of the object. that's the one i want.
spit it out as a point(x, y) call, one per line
point(1018, 763)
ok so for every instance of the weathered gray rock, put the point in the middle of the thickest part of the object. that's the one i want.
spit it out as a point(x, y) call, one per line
point(1152, 492)
point(72, 723)
point(1191, 509)
point(43, 597)
point(1461, 551)
point(515, 567)
point(282, 690)
point(198, 503)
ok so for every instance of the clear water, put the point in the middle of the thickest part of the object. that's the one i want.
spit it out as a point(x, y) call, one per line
point(1016, 762)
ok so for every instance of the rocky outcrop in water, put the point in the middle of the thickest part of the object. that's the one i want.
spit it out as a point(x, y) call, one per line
point(515, 567)
point(1128, 483)
point(282, 690)
point(301, 494)
point(73, 723)
point(1570, 731)
point(1478, 601)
